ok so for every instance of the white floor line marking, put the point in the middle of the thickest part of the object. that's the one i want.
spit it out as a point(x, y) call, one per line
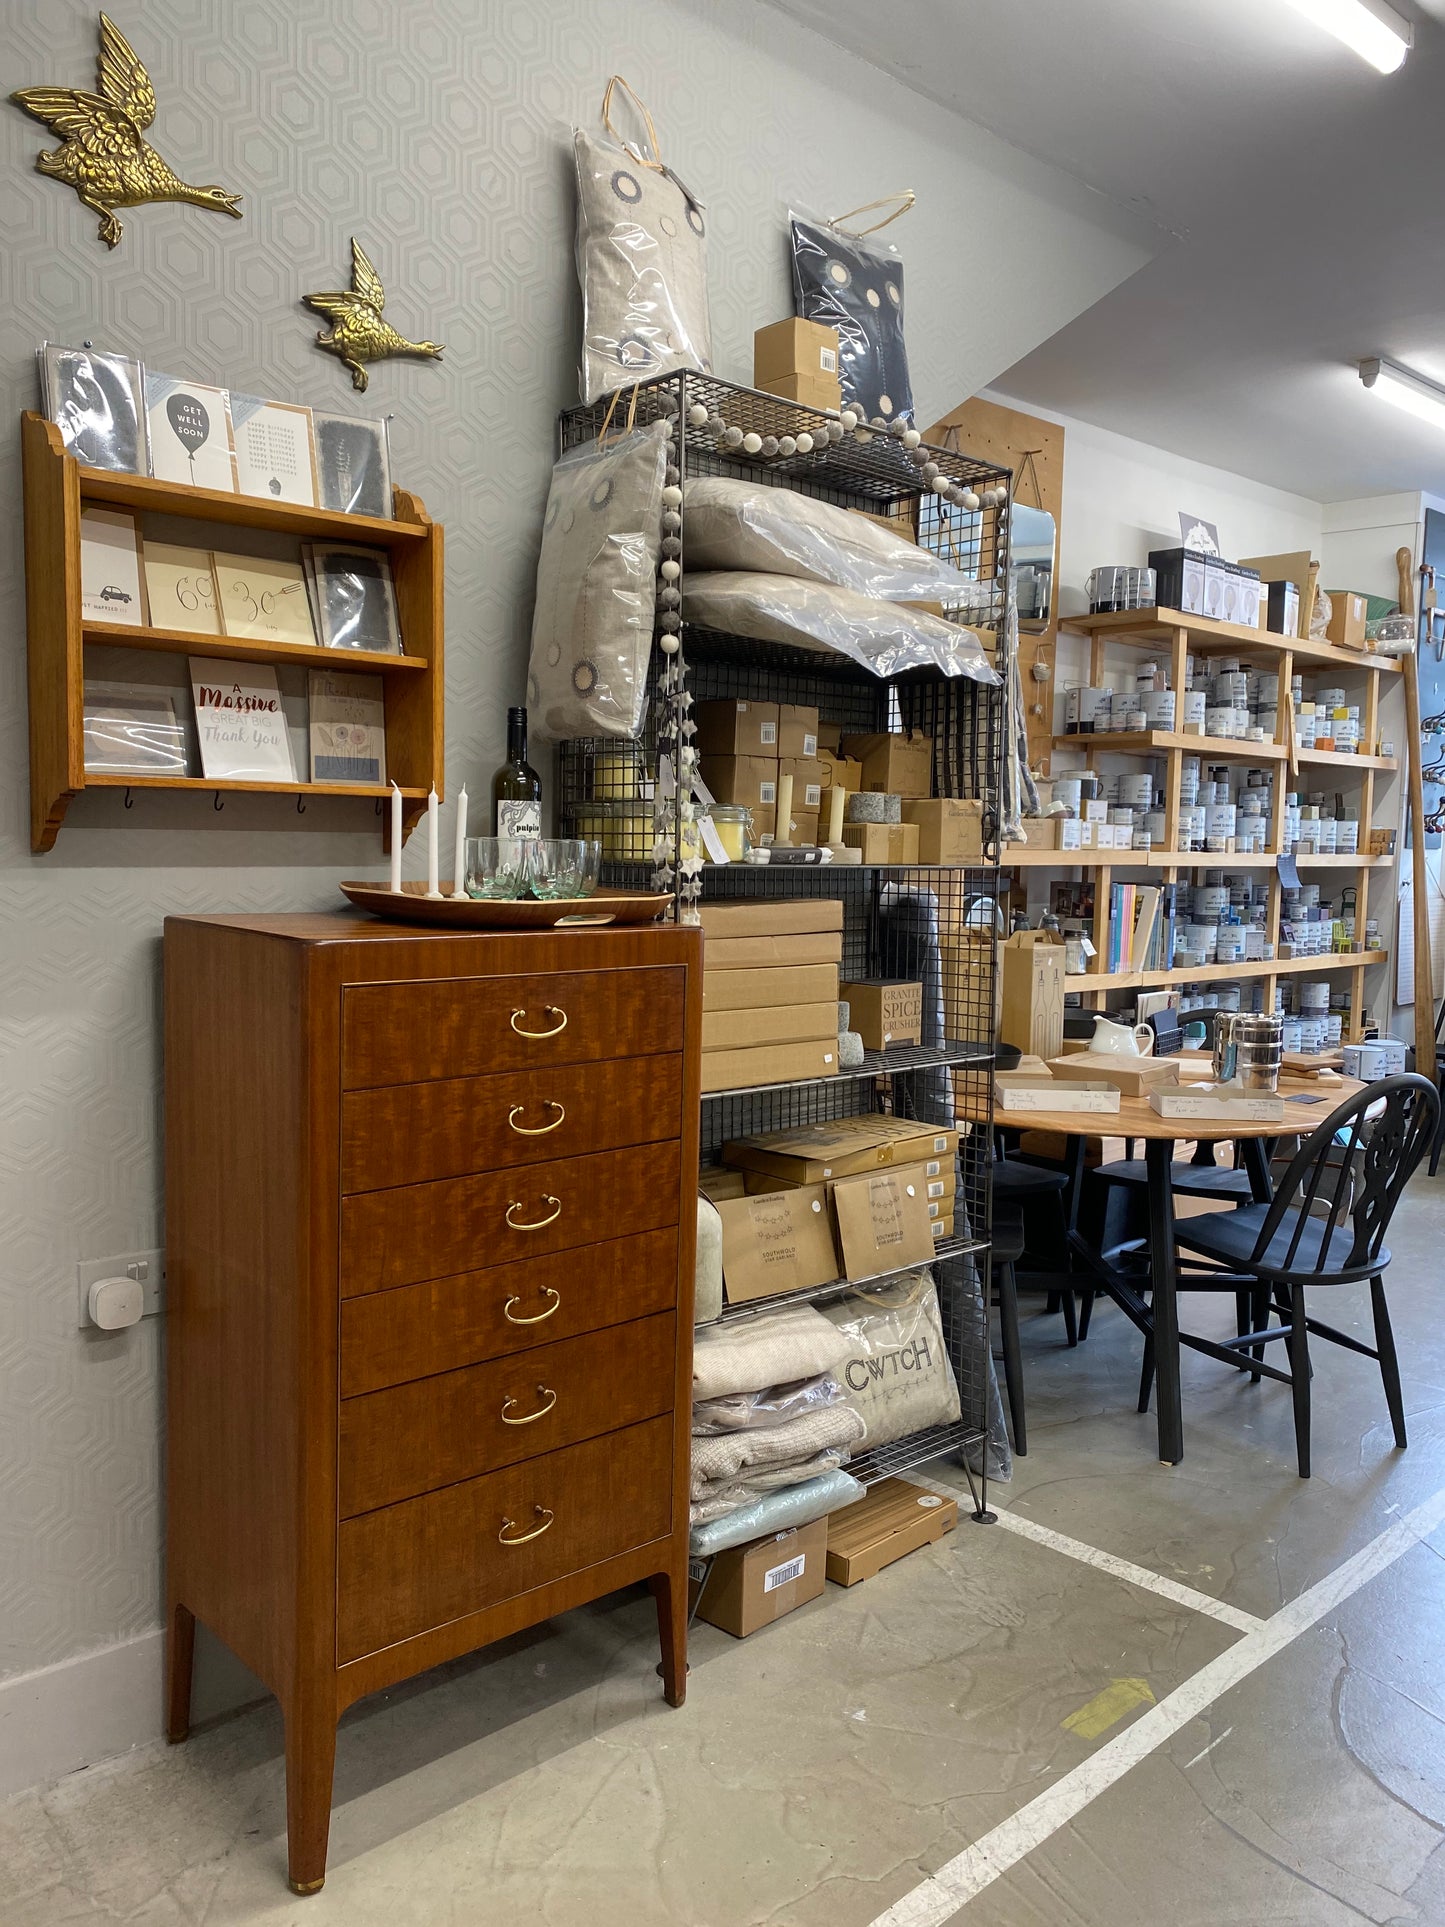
point(941, 1896)
point(1208, 1749)
point(1200, 1602)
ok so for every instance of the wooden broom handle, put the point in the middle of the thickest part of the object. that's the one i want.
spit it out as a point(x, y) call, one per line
point(1405, 569)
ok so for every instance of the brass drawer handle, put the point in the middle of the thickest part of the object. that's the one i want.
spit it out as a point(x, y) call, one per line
point(536, 1130)
point(521, 1224)
point(530, 1418)
point(555, 1296)
point(536, 1532)
point(553, 1032)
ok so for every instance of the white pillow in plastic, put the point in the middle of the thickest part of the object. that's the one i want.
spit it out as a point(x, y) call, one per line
point(597, 589)
point(897, 1376)
point(734, 524)
point(642, 262)
point(707, 1301)
point(886, 637)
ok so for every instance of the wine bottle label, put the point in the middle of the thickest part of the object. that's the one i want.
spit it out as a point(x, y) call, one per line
point(518, 819)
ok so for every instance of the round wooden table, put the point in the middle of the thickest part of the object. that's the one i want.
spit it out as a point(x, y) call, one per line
point(1308, 1102)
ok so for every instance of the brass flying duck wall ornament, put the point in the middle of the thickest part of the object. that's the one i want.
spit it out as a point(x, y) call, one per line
point(358, 333)
point(101, 153)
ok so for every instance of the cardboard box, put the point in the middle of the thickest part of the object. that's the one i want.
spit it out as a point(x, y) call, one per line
point(885, 1010)
point(752, 1585)
point(1133, 1076)
point(781, 917)
point(779, 1241)
point(804, 829)
point(950, 828)
point(1346, 627)
point(903, 525)
point(764, 953)
point(1015, 1093)
point(807, 775)
point(901, 765)
point(883, 842)
point(717, 1181)
point(839, 771)
point(765, 989)
point(739, 1070)
point(823, 393)
point(736, 729)
point(794, 347)
point(783, 1024)
point(895, 1518)
point(942, 1228)
point(749, 780)
point(1032, 980)
point(882, 1220)
point(798, 731)
point(843, 1147)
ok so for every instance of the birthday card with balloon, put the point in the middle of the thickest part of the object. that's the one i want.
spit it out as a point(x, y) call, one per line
point(190, 432)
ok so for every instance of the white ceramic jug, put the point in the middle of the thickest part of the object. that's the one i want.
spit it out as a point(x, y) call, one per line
point(1119, 1040)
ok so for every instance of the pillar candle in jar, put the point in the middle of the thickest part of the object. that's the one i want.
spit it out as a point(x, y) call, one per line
point(459, 848)
point(433, 877)
point(395, 837)
point(784, 831)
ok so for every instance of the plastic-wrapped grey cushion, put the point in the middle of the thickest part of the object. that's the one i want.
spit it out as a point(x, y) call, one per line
point(708, 1290)
point(886, 637)
point(597, 588)
point(796, 1505)
point(734, 524)
point(897, 1374)
point(642, 263)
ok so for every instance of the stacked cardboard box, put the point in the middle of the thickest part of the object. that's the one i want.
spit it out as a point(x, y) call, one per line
point(799, 360)
point(770, 991)
point(744, 747)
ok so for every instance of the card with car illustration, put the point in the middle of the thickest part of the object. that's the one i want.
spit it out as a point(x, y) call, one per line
point(110, 577)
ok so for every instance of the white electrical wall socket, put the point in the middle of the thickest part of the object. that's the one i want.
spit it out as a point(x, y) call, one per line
point(147, 1269)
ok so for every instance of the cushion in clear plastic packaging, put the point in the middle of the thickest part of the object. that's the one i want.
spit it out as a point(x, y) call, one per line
point(734, 524)
point(707, 1301)
point(886, 637)
point(745, 1411)
point(642, 263)
point(897, 1375)
point(796, 1505)
point(597, 588)
point(855, 285)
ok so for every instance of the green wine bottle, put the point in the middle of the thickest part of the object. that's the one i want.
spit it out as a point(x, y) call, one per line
point(516, 787)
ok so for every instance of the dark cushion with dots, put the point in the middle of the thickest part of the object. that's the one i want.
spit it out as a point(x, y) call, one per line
point(856, 287)
point(597, 587)
point(642, 261)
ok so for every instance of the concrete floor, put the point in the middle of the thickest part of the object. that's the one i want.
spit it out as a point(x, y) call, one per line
point(836, 1769)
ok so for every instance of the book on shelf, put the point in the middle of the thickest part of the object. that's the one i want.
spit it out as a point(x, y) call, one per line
point(189, 426)
point(110, 577)
point(240, 722)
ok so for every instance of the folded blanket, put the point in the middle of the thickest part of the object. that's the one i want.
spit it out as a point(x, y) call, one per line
point(775, 1348)
point(726, 1455)
point(719, 1497)
point(798, 1505)
point(746, 1411)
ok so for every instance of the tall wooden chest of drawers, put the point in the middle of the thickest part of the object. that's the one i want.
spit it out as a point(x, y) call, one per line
point(430, 1203)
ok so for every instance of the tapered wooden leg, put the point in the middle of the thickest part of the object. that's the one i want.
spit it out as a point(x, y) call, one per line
point(1389, 1363)
point(671, 1596)
point(310, 1760)
point(1299, 1378)
point(180, 1657)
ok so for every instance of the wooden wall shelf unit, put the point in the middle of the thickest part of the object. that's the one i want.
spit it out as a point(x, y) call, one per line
point(56, 486)
point(1172, 637)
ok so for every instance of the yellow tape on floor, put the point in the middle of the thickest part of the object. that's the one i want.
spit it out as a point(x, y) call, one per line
point(1106, 1709)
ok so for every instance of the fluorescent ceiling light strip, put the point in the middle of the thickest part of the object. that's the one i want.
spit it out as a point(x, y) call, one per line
point(1368, 28)
point(1405, 390)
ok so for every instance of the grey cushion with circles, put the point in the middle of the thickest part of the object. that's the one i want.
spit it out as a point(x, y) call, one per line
point(642, 262)
point(734, 524)
point(596, 589)
point(886, 637)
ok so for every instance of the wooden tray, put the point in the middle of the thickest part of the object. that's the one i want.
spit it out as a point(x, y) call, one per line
point(413, 905)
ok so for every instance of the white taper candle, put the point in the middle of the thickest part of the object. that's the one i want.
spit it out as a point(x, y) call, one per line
point(433, 875)
point(395, 838)
point(459, 853)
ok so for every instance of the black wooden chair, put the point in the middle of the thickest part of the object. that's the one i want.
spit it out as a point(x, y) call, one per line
point(1326, 1225)
point(1439, 1141)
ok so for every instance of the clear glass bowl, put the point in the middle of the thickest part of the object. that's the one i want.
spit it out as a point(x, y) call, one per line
point(496, 867)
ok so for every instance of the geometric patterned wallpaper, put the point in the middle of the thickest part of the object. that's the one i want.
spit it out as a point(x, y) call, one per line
point(436, 131)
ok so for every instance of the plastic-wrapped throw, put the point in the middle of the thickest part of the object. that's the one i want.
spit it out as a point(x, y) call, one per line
point(734, 524)
point(774, 1405)
point(885, 637)
point(795, 1505)
point(873, 806)
point(708, 1288)
point(850, 1050)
